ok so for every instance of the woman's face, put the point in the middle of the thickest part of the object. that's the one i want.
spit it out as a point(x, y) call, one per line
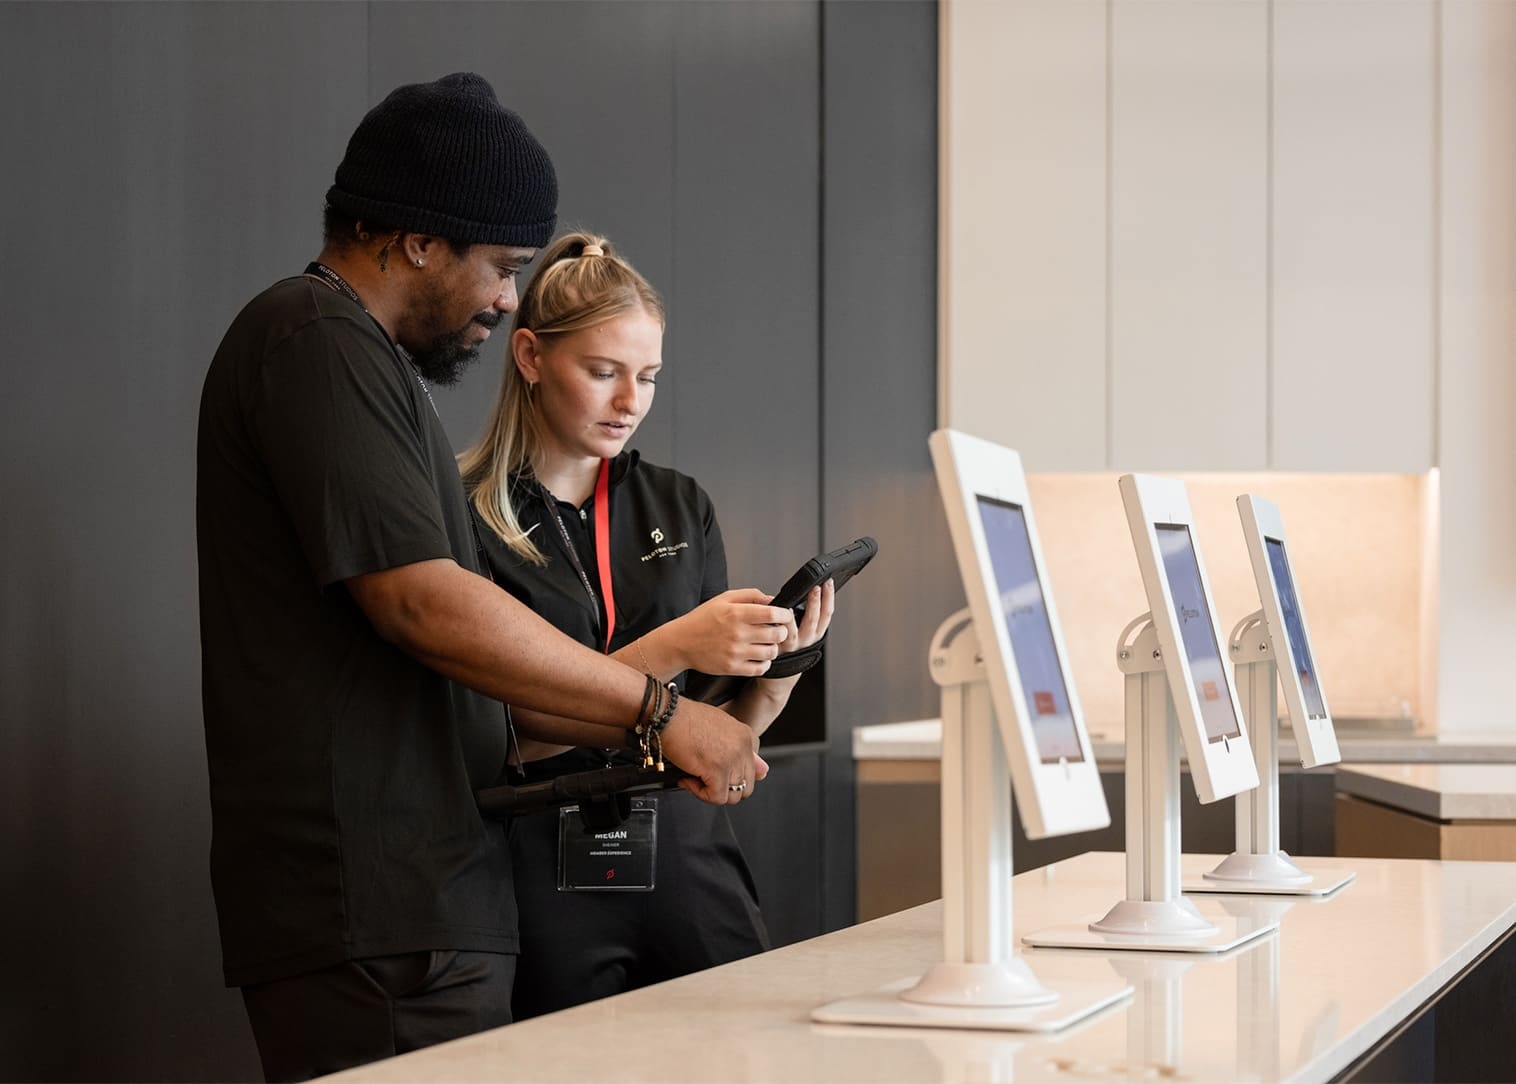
point(593, 385)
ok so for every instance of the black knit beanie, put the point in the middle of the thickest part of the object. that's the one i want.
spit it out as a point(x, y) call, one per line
point(447, 159)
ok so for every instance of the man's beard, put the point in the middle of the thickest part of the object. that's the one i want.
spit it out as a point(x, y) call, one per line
point(444, 361)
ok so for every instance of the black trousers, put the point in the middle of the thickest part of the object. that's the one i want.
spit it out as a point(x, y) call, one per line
point(579, 946)
point(363, 1010)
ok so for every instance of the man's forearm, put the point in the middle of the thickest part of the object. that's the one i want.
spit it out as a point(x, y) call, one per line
point(469, 630)
point(559, 730)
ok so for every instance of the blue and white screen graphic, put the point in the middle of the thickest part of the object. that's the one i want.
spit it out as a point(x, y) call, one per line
point(1024, 613)
point(1294, 630)
point(1182, 569)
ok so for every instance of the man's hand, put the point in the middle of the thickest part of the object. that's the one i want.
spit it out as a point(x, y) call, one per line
point(719, 753)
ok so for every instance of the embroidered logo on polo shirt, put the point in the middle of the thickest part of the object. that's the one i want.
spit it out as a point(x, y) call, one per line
point(656, 534)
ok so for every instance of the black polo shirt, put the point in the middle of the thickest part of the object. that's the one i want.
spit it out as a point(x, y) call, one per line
point(342, 771)
point(666, 553)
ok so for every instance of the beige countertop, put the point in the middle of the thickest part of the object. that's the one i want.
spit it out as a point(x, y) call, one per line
point(921, 739)
point(1298, 1004)
point(1441, 791)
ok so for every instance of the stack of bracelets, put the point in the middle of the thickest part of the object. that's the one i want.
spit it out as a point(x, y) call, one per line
point(658, 704)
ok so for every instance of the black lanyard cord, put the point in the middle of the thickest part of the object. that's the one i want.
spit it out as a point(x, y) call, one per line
point(317, 269)
point(573, 554)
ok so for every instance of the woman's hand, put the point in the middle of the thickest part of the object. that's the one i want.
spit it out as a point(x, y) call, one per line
point(761, 702)
point(819, 604)
point(736, 632)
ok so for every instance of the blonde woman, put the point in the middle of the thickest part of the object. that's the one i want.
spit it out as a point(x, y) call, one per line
point(627, 557)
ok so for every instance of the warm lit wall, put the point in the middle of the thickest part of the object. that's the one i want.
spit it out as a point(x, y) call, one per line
point(1357, 568)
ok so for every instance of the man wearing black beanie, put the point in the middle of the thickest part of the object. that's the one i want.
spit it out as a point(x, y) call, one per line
point(354, 658)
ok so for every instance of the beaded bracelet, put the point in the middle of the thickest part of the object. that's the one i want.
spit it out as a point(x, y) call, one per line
point(647, 735)
point(666, 710)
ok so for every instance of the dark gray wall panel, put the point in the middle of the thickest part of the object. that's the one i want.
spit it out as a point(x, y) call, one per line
point(746, 323)
point(879, 385)
point(167, 161)
point(169, 175)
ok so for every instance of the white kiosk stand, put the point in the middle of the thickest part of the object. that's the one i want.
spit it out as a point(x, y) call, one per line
point(1154, 915)
point(1258, 865)
point(1165, 654)
point(1009, 713)
point(980, 982)
point(1268, 645)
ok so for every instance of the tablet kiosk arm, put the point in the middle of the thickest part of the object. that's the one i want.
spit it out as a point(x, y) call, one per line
point(1153, 901)
point(979, 964)
point(1254, 672)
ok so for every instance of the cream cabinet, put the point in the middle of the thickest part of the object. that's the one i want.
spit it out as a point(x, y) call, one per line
point(1353, 228)
point(1192, 236)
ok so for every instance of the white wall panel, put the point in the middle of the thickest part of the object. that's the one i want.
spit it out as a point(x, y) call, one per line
point(1476, 437)
point(1023, 239)
point(1188, 234)
point(1353, 278)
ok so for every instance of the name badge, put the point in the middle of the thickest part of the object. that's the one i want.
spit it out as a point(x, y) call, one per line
point(620, 860)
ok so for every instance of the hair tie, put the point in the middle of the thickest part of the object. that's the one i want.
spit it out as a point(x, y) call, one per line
point(592, 250)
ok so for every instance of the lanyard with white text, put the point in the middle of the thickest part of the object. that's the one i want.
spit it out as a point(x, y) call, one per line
point(602, 549)
point(318, 270)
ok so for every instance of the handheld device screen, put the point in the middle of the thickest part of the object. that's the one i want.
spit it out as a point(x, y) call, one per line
point(1024, 613)
point(1182, 570)
point(1294, 629)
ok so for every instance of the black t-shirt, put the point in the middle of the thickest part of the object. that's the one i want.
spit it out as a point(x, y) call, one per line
point(666, 553)
point(342, 771)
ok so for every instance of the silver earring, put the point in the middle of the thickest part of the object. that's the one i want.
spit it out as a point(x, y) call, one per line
point(420, 262)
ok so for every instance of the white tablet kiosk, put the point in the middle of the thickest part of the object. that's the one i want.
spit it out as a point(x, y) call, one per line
point(1053, 772)
point(1271, 649)
point(1177, 685)
point(1010, 724)
point(1179, 594)
point(1288, 633)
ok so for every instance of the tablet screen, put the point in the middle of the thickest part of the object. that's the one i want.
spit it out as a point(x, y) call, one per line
point(1024, 614)
point(1294, 629)
point(1182, 570)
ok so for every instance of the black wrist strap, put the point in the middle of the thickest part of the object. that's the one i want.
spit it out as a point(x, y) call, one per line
point(796, 662)
point(718, 690)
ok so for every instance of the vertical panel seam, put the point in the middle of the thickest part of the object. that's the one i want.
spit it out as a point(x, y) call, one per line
point(1270, 445)
point(368, 58)
point(1110, 203)
point(673, 76)
point(823, 885)
point(1436, 233)
point(821, 258)
point(944, 218)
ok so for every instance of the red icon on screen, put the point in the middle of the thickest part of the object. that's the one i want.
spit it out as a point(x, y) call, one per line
point(1045, 703)
point(1209, 690)
point(610, 875)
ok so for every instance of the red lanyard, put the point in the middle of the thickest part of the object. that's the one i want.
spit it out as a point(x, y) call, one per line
point(603, 546)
